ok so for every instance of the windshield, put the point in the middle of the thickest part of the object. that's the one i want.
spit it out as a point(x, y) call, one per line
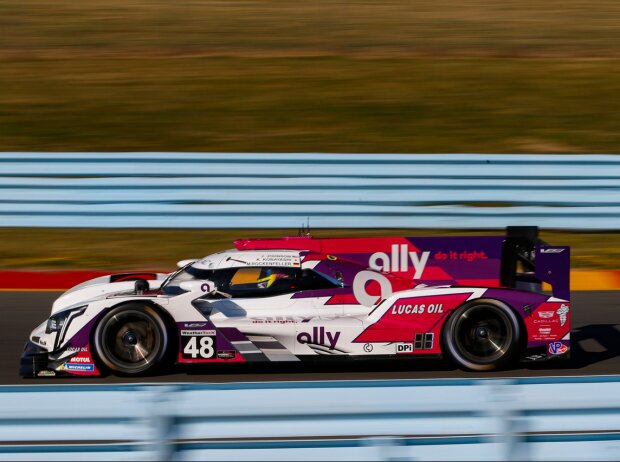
point(188, 273)
point(174, 274)
point(251, 281)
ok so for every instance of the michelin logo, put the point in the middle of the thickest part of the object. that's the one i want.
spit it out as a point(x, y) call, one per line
point(78, 367)
point(562, 313)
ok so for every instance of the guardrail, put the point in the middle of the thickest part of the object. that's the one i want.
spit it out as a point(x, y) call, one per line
point(503, 419)
point(234, 190)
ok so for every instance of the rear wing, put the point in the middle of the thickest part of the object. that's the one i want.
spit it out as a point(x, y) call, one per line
point(528, 261)
point(517, 260)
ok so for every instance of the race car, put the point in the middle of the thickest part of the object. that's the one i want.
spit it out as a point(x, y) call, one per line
point(478, 301)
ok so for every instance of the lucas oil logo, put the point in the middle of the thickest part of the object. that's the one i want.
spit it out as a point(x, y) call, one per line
point(417, 309)
point(399, 260)
point(318, 337)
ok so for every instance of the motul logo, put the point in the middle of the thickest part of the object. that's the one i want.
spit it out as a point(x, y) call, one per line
point(399, 260)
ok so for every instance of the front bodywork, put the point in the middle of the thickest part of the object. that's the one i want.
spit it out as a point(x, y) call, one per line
point(392, 298)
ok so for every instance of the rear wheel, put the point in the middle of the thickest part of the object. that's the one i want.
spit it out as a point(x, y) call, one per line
point(132, 339)
point(482, 336)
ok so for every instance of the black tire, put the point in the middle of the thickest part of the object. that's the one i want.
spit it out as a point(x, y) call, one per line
point(483, 335)
point(132, 340)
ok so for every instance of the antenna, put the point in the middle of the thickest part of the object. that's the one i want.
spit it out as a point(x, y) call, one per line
point(304, 230)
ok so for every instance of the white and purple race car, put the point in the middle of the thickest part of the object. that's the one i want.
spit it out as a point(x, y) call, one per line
point(478, 301)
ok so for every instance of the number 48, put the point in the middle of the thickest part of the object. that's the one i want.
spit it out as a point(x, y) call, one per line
point(204, 348)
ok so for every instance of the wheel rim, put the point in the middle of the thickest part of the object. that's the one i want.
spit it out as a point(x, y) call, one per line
point(131, 341)
point(483, 334)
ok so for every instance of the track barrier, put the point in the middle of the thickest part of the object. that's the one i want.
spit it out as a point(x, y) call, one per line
point(237, 190)
point(547, 418)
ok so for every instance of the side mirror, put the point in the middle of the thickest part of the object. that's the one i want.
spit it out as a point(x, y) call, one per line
point(205, 286)
point(141, 285)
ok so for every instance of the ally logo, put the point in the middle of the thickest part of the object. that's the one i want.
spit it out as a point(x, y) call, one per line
point(318, 337)
point(399, 260)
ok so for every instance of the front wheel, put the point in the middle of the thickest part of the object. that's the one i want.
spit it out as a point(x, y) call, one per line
point(482, 336)
point(132, 340)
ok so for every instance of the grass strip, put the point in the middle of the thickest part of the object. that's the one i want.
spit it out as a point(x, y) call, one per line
point(128, 249)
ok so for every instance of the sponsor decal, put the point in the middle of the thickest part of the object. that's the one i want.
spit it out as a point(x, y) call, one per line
point(421, 342)
point(534, 357)
point(551, 250)
point(546, 333)
point(318, 337)
point(279, 320)
point(194, 324)
point(463, 255)
point(78, 367)
point(399, 260)
point(417, 309)
point(79, 359)
point(557, 348)
point(562, 312)
point(559, 316)
point(359, 287)
point(392, 327)
point(278, 260)
point(368, 347)
point(404, 348)
point(188, 333)
point(77, 349)
point(226, 354)
point(46, 374)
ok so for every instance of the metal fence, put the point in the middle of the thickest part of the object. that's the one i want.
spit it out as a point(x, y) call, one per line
point(235, 190)
point(510, 419)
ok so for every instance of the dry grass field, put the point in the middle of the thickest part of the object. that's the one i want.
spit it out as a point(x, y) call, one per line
point(281, 76)
point(122, 249)
point(343, 76)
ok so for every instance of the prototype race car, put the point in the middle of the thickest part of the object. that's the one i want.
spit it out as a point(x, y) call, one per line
point(478, 301)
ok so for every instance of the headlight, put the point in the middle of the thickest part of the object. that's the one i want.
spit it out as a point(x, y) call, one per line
point(60, 322)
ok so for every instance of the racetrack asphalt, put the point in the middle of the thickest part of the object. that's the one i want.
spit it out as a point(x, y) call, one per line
point(595, 351)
